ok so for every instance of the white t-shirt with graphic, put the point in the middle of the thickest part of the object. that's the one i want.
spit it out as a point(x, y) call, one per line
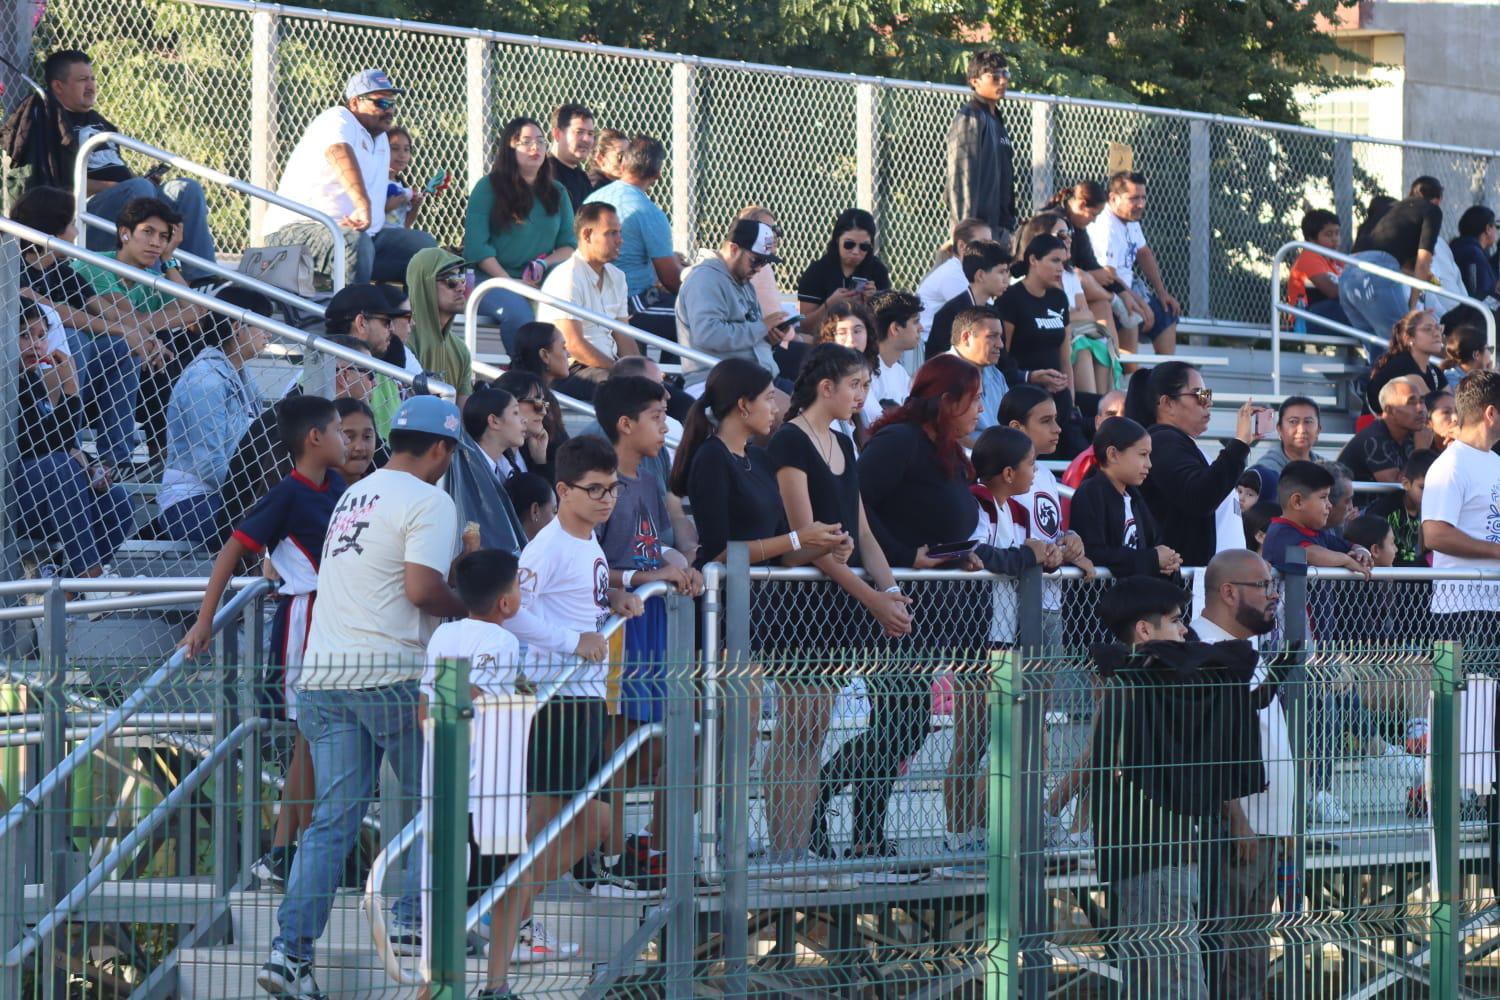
point(365, 633)
point(1132, 533)
point(494, 655)
point(891, 382)
point(1116, 244)
point(309, 179)
point(1463, 489)
point(564, 594)
point(1001, 532)
point(1044, 506)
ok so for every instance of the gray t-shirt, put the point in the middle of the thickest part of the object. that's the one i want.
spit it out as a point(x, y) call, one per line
point(639, 528)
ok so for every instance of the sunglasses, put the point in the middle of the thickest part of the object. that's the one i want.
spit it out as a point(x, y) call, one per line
point(454, 281)
point(861, 247)
point(1205, 397)
point(383, 103)
point(538, 404)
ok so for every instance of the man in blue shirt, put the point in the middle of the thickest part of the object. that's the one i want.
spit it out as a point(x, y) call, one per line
point(978, 339)
point(653, 271)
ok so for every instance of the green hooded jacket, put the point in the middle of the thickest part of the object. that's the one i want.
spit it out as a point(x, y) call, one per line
point(439, 352)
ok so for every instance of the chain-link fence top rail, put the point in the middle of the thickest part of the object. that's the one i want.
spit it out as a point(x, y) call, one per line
point(178, 73)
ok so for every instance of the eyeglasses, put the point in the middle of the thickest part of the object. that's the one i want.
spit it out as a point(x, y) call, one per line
point(354, 371)
point(377, 318)
point(597, 491)
point(1269, 588)
point(454, 281)
point(383, 103)
point(861, 247)
point(530, 143)
point(999, 74)
point(1205, 397)
point(541, 405)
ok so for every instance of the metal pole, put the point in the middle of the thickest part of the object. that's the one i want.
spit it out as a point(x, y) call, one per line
point(738, 727)
point(681, 766)
point(478, 79)
point(684, 159)
point(1343, 186)
point(1036, 964)
point(1296, 691)
point(1042, 181)
point(250, 756)
point(10, 309)
point(713, 704)
point(1200, 230)
point(452, 711)
point(865, 123)
point(1006, 803)
point(1447, 905)
point(264, 25)
point(55, 808)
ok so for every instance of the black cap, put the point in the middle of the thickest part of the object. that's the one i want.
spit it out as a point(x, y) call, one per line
point(757, 237)
point(351, 300)
point(395, 300)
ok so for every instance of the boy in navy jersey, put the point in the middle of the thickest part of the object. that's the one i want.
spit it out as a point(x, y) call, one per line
point(287, 527)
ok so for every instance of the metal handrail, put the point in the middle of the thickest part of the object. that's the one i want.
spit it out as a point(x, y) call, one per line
point(417, 826)
point(138, 585)
point(1278, 308)
point(96, 876)
point(182, 163)
point(161, 283)
point(53, 780)
point(471, 319)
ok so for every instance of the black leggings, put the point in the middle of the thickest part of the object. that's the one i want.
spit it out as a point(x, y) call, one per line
point(900, 720)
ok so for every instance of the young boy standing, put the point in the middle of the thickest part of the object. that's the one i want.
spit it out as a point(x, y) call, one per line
point(1303, 491)
point(637, 542)
point(1403, 511)
point(287, 526)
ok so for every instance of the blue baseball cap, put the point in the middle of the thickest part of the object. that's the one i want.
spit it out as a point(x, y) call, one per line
point(369, 81)
point(429, 414)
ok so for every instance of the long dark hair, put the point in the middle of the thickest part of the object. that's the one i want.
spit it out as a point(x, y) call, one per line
point(729, 381)
point(1118, 433)
point(825, 361)
point(523, 384)
point(1091, 193)
point(1462, 343)
point(850, 310)
point(1379, 205)
point(513, 196)
point(1148, 385)
point(944, 387)
point(849, 220)
point(531, 340)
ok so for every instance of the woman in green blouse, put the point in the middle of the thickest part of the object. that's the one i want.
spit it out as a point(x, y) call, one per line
point(519, 223)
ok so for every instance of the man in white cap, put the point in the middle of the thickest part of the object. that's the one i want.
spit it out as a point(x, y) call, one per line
point(341, 167)
point(382, 589)
point(717, 311)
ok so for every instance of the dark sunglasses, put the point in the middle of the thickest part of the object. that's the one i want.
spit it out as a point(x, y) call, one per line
point(454, 281)
point(861, 247)
point(383, 103)
point(1205, 397)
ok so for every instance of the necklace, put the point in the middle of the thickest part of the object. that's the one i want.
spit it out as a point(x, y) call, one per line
point(743, 460)
point(825, 454)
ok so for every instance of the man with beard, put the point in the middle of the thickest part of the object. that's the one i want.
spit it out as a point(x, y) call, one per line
point(1241, 596)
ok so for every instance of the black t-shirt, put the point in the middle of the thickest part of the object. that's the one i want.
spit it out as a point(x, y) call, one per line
point(734, 498)
point(1412, 224)
point(1373, 450)
point(825, 276)
point(835, 499)
point(910, 499)
point(1040, 325)
point(1084, 258)
point(1399, 366)
point(105, 162)
point(575, 181)
point(59, 284)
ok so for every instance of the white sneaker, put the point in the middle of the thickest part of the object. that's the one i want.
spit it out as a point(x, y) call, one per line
point(534, 943)
point(1393, 762)
point(286, 977)
point(968, 859)
point(838, 882)
point(1326, 808)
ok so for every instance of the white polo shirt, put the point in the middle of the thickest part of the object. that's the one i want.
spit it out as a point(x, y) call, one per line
point(309, 179)
point(575, 281)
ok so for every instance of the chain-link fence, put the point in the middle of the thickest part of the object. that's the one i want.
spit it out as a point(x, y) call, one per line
point(232, 85)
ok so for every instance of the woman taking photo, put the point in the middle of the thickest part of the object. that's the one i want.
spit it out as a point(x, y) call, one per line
point(1191, 500)
point(830, 624)
point(519, 223)
point(1034, 314)
point(1415, 348)
point(847, 271)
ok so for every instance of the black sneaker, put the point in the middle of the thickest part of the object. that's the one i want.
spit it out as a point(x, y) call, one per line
point(283, 976)
point(632, 877)
point(497, 995)
point(406, 942)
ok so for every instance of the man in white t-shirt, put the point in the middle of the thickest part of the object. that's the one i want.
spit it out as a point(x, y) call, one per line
point(341, 167)
point(382, 587)
point(1120, 244)
point(1460, 526)
point(898, 329)
point(1239, 873)
point(590, 279)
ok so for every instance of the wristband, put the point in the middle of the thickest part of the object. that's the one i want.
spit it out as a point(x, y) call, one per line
point(171, 264)
point(626, 577)
point(893, 589)
point(796, 542)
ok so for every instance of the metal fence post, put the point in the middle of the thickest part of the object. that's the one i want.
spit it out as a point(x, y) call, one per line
point(1443, 801)
point(681, 766)
point(1295, 695)
point(1200, 227)
point(479, 86)
point(1343, 183)
point(10, 335)
point(1042, 181)
point(736, 739)
point(684, 159)
point(264, 28)
point(251, 756)
point(1002, 916)
point(451, 711)
point(1027, 788)
point(56, 811)
point(225, 830)
point(866, 119)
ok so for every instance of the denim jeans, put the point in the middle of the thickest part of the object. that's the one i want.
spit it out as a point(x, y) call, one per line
point(1371, 302)
point(382, 257)
point(195, 519)
point(1334, 715)
point(53, 493)
point(511, 311)
point(347, 732)
point(111, 388)
point(1158, 949)
point(182, 193)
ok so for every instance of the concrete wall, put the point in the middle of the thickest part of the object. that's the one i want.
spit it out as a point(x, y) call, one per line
point(1451, 92)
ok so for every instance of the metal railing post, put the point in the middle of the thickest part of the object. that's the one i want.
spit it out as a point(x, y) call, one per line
point(1042, 180)
point(1029, 933)
point(56, 808)
point(709, 825)
point(1343, 183)
point(1296, 694)
point(1443, 801)
point(452, 711)
point(10, 335)
point(225, 831)
point(250, 755)
point(866, 121)
point(739, 729)
point(479, 86)
point(1006, 806)
point(680, 668)
point(1200, 229)
point(684, 159)
point(264, 31)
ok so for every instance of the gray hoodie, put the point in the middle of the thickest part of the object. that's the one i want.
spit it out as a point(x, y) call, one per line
point(720, 316)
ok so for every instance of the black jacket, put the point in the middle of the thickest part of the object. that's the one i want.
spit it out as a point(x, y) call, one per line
point(1184, 490)
point(1098, 515)
point(37, 135)
point(981, 169)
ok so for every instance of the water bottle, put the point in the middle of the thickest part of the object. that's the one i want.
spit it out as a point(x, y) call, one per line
point(1289, 887)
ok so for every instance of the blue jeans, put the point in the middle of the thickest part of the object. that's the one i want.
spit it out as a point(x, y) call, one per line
point(195, 520)
point(53, 493)
point(1333, 716)
point(182, 193)
point(384, 256)
point(1371, 302)
point(511, 311)
point(111, 388)
point(347, 732)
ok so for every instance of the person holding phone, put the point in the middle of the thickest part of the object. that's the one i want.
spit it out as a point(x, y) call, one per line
point(717, 310)
point(848, 269)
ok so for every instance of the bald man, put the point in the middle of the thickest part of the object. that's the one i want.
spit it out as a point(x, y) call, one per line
point(1241, 596)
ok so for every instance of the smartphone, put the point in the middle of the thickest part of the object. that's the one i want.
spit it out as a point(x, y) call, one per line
point(950, 551)
point(790, 323)
point(156, 173)
point(859, 284)
point(1265, 421)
